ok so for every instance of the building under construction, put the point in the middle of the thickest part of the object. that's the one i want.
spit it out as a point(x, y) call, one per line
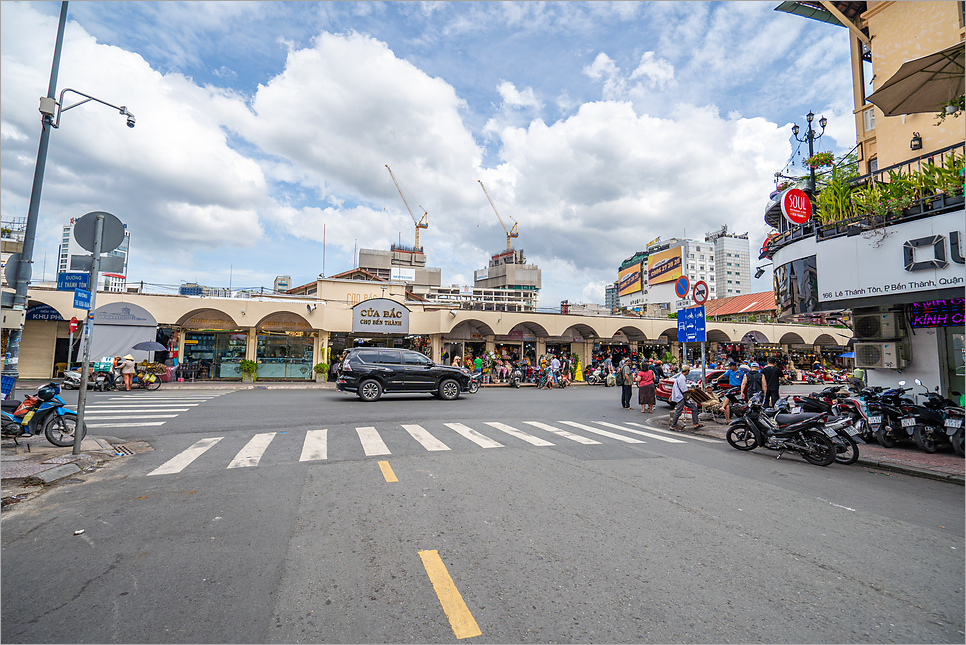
point(509, 270)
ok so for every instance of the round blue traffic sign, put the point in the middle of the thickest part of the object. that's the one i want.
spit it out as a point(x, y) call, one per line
point(682, 287)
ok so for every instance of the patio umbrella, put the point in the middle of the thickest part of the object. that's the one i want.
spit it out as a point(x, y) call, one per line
point(923, 84)
point(150, 346)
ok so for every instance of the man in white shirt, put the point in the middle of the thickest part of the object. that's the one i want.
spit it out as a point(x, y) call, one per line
point(555, 370)
point(680, 399)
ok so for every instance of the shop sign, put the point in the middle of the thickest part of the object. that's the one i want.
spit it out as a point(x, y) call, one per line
point(124, 313)
point(380, 315)
point(920, 256)
point(937, 313)
point(796, 206)
point(43, 312)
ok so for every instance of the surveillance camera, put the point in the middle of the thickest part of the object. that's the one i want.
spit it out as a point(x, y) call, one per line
point(130, 120)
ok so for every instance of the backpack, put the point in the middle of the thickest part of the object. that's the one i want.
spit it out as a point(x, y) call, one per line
point(620, 376)
point(754, 383)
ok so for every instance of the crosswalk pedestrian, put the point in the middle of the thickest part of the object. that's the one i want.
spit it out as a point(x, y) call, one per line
point(317, 444)
point(141, 410)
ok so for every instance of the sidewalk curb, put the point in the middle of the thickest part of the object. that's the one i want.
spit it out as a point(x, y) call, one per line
point(912, 471)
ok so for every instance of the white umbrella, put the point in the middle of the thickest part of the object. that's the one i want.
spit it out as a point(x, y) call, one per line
point(923, 84)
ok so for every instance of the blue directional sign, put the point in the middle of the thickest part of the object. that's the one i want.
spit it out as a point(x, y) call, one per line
point(67, 281)
point(691, 328)
point(82, 299)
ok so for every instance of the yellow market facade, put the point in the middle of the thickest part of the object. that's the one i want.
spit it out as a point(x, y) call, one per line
point(287, 335)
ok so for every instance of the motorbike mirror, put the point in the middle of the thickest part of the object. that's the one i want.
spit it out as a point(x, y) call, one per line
point(902, 383)
point(918, 382)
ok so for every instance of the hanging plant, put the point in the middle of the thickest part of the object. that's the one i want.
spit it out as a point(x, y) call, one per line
point(820, 159)
point(953, 108)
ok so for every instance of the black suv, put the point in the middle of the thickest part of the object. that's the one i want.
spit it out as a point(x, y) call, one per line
point(370, 371)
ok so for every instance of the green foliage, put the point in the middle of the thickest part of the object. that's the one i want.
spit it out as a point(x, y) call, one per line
point(958, 105)
point(321, 368)
point(669, 358)
point(249, 367)
point(834, 201)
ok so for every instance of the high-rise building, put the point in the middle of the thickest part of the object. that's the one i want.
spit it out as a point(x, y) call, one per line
point(611, 301)
point(732, 255)
point(105, 281)
point(283, 283)
point(401, 263)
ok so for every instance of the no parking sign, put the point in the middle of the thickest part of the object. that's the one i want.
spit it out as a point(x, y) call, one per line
point(682, 287)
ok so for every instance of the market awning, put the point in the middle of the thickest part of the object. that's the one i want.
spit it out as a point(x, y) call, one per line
point(923, 84)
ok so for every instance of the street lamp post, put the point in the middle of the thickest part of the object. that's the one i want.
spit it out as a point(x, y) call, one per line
point(811, 138)
point(49, 108)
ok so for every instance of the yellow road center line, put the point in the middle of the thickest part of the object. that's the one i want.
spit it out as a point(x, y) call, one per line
point(387, 472)
point(460, 618)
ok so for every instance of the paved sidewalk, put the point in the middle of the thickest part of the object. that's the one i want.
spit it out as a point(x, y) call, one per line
point(905, 459)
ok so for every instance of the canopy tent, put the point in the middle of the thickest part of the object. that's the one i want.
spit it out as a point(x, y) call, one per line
point(923, 84)
point(118, 327)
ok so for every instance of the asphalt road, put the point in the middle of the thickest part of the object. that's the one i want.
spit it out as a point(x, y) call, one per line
point(658, 541)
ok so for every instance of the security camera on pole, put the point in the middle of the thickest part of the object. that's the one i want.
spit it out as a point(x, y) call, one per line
point(49, 108)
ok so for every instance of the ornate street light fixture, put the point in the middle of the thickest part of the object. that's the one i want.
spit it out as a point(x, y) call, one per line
point(811, 137)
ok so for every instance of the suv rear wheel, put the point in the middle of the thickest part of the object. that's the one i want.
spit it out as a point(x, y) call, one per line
point(369, 390)
point(449, 390)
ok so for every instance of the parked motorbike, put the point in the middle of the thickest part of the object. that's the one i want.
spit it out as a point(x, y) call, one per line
point(475, 380)
point(516, 378)
point(45, 412)
point(101, 381)
point(929, 420)
point(846, 439)
point(953, 422)
point(802, 434)
point(885, 413)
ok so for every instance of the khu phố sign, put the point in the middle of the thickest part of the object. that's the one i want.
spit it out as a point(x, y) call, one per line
point(380, 316)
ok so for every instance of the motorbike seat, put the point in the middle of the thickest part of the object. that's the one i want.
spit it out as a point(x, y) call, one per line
point(10, 404)
point(785, 419)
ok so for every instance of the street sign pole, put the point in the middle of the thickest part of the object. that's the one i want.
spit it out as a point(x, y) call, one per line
point(88, 330)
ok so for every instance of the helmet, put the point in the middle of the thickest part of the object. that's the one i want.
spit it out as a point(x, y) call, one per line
point(48, 392)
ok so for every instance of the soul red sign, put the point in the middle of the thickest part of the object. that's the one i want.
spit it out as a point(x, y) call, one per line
point(796, 206)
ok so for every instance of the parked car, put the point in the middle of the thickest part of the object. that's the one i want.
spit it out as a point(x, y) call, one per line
point(663, 389)
point(369, 372)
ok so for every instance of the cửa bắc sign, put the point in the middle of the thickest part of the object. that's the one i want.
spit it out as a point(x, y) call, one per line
point(380, 315)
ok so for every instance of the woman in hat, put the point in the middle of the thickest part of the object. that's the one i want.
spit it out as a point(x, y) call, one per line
point(128, 368)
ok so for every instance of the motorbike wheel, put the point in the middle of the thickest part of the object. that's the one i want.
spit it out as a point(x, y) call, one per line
point(957, 441)
point(474, 386)
point(60, 430)
point(885, 439)
point(741, 437)
point(847, 450)
point(924, 440)
point(820, 450)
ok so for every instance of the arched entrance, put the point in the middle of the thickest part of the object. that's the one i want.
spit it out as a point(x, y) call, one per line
point(208, 345)
point(284, 347)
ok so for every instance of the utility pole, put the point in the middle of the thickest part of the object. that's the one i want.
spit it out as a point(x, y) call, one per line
point(33, 211)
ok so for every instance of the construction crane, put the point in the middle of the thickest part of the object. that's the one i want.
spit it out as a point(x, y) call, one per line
point(513, 229)
point(421, 223)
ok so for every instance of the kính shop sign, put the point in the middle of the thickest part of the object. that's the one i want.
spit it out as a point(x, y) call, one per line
point(380, 315)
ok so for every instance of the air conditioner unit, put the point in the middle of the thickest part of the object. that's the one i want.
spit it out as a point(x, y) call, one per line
point(880, 355)
point(877, 327)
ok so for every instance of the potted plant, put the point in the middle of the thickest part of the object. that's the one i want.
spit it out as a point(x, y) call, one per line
point(321, 371)
point(249, 370)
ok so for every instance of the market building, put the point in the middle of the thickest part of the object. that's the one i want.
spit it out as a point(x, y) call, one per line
point(899, 272)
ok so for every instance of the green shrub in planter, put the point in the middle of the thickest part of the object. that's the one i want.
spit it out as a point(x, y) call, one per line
point(249, 368)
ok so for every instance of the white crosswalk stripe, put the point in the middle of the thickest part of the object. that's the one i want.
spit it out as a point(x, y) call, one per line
point(603, 433)
point(563, 433)
point(513, 432)
point(426, 440)
point(139, 410)
point(315, 446)
point(180, 461)
point(481, 440)
point(251, 454)
point(640, 432)
point(690, 436)
point(372, 443)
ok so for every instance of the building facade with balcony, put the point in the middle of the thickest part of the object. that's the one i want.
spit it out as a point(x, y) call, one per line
point(890, 253)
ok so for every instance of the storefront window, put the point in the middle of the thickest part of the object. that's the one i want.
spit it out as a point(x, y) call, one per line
point(284, 355)
point(955, 354)
point(452, 350)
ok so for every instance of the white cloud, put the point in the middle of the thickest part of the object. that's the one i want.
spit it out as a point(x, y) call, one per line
point(514, 98)
point(658, 71)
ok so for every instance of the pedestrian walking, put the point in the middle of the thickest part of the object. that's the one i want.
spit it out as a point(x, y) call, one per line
point(128, 368)
point(772, 375)
point(625, 381)
point(645, 390)
point(681, 399)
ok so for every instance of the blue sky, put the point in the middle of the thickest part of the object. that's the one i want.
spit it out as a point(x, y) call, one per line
point(596, 126)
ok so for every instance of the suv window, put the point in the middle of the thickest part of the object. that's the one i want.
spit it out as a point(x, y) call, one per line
point(415, 358)
point(388, 358)
point(367, 356)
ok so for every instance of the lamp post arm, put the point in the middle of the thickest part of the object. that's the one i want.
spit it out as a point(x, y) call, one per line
point(122, 109)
